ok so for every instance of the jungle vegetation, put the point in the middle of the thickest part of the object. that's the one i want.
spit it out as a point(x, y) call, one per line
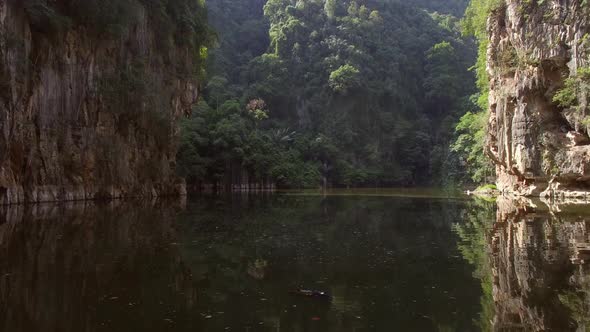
point(339, 92)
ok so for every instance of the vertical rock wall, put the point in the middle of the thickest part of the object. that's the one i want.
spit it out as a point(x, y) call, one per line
point(73, 124)
point(538, 147)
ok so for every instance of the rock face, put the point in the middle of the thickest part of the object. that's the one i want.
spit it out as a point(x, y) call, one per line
point(538, 147)
point(86, 115)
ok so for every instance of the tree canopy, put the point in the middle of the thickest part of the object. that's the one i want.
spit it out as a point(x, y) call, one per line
point(369, 90)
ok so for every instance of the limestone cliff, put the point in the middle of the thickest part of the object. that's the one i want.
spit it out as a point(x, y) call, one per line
point(539, 147)
point(88, 103)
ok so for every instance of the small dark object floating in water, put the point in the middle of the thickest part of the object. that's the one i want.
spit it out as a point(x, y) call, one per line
point(311, 294)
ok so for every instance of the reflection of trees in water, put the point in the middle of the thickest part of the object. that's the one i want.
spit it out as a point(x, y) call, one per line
point(242, 243)
point(124, 268)
point(534, 273)
point(473, 230)
point(85, 267)
point(359, 249)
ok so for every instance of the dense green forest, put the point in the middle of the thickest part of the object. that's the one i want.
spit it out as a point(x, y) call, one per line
point(343, 93)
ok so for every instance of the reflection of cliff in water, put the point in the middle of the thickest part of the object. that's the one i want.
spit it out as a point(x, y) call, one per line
point(91, 268)
point(539, 266)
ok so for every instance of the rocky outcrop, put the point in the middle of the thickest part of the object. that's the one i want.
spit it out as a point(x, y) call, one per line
point(538, 147)
point(88, 113)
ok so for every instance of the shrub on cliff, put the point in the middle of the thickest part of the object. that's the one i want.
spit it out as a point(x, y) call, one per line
point(576, 91)
point(470, 145)
point(474, 23)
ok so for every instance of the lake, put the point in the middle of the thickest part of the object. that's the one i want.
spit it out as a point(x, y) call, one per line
point(391, 261)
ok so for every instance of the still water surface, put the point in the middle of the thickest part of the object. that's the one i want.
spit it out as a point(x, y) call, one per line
point(392, 261)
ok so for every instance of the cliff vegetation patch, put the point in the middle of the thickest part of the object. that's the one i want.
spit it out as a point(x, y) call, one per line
point(575, 92)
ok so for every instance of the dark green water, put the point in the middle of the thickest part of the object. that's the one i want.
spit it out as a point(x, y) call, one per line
point(391, 263)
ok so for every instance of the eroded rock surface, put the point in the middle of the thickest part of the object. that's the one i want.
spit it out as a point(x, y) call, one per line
point(75, 123)
point(538, 147)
